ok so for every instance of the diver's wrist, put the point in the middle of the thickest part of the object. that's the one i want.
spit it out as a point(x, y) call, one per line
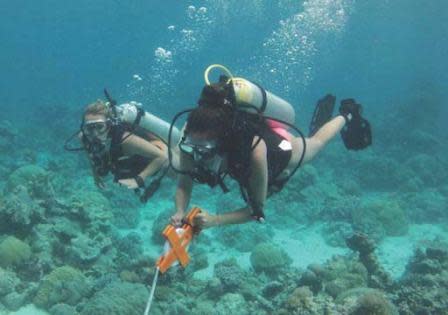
point(180, 211)
point(217, 220)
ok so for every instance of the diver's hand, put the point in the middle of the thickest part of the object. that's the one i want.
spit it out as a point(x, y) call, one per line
point(176, 219)
point(130, 183)
point(204, 220)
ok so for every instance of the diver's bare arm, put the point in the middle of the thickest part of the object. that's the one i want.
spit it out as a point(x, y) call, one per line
point(321, 138)
point(239, 216)
point(183, 193)
point(258, 183)
point(184, 185)
point(136, 145)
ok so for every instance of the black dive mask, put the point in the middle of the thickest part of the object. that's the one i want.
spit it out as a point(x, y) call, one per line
point(207, 161)
point(95, 127)
point(200, 151)
point(96, 130)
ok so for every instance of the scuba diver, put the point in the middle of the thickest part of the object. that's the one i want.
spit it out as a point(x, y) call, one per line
point(245, 132)
point(126, 141)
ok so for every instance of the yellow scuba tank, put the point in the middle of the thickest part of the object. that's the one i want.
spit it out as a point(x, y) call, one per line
point(249, 95)
point(131, 113)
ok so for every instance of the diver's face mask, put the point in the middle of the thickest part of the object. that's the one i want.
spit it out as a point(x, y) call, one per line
point(96, 130)
point(200, 150)
point(206, 158)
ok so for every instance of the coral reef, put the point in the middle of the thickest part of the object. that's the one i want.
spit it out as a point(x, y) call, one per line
point(229, 273)
point(157, 227)
point(373, 303)
point(423, 289)
point(83, 251)
point(300, 299)
point(360, 243)
point(117, 298)
point(428, 168)
point(13, 252)
point(341, 274)
point(63, 309)
point(125, 210)
point(335, 233)
point(93, 209)
point(8, 282)
point(428, 206)
point(74, 250)
point(34, 178)
point(63, 285)
point(269, 258)
point(380, 217)
point(231, 303)
point(19, 212)
point(244, 239)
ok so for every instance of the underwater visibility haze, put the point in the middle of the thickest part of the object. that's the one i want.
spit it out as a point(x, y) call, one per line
point(358, 232)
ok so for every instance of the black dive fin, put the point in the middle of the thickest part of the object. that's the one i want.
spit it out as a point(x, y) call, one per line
point(322, 113)
point(357, 133)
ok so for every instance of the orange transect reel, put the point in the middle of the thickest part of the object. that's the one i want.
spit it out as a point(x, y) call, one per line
point(178, 243)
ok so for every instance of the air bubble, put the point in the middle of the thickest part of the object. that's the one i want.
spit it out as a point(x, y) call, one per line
point(137, 77)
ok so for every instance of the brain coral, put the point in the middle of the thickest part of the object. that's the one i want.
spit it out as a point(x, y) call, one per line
point(13, 251)
point(380, 217)
point(63, 285)
point(118, 298)
point(373, 303)
point(269, 258)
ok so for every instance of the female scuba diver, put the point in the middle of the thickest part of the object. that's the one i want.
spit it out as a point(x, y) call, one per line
point(130, 157)
point(230, 133)
point(127, 142)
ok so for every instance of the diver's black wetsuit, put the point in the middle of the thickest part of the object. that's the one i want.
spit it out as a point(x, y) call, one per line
point(121, 165)
point(239, 156)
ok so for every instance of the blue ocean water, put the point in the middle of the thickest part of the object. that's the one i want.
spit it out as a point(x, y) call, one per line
point(58, 56)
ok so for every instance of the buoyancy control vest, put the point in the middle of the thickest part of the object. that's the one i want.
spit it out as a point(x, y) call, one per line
point(241, 145)
point(123, 166)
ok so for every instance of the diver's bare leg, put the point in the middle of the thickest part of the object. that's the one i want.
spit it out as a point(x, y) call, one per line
point(317, 142)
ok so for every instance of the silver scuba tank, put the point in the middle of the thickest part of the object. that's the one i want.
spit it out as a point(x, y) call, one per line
point(249, 95)
point(129, 113)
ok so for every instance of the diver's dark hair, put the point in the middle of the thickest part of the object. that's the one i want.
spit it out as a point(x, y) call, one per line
point(214, 119)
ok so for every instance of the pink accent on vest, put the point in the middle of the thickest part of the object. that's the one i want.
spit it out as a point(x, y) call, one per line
point(279, 129)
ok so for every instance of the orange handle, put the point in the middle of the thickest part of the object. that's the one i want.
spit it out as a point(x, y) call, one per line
point(178, 243)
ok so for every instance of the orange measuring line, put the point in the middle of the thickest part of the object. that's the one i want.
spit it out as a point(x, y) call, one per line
point(178, 243)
